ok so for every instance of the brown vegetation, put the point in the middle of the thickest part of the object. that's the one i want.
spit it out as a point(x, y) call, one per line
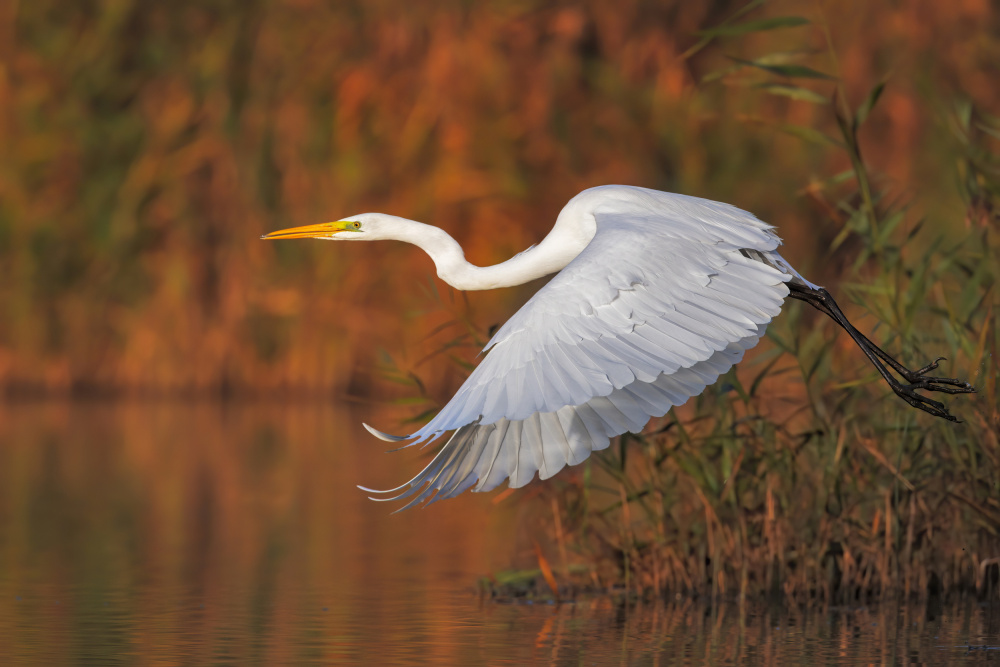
point(144, 149)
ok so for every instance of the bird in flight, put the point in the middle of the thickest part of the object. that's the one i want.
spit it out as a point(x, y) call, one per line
point(655, 295)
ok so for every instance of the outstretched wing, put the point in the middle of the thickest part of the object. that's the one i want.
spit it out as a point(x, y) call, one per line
point(656, 307)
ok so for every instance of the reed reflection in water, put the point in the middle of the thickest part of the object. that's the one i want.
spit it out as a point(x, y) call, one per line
point(234, 534)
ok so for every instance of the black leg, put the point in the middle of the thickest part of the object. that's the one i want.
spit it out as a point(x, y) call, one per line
point(821, 300)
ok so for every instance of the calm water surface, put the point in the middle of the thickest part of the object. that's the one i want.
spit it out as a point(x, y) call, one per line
point(183, 534)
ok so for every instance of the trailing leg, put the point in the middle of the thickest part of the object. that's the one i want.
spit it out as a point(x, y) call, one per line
point(918, 379)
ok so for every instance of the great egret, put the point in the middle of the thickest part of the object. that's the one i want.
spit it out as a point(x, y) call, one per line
point(656, 295)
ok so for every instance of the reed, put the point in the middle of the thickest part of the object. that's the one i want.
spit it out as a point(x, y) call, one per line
point(143, 151)
point(798, 474)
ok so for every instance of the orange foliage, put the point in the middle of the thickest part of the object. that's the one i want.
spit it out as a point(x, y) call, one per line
point(143, 149)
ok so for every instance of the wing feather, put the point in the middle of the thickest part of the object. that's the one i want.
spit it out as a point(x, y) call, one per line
point(502, 461)
point(655, 308)
point(556, 442)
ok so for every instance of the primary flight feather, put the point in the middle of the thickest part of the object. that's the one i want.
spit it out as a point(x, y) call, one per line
point(656, 295)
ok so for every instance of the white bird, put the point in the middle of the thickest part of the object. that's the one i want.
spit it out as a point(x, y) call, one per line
point(655, 296)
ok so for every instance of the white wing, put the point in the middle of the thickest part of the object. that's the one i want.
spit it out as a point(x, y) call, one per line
point(656, 307)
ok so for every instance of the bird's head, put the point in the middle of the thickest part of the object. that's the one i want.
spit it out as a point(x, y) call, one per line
point(362, 227)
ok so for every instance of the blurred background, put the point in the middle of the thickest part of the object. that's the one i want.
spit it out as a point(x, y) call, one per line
point(144, 148)
point(194, 499)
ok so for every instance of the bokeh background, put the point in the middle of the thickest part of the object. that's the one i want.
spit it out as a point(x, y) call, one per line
point(145, 147)
point(193, 498)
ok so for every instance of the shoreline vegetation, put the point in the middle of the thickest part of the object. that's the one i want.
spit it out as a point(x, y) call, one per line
point(147, 149)
point(849, 496)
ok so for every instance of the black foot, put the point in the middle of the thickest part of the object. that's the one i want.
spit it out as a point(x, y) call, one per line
point(907, 393)
point(918, 380)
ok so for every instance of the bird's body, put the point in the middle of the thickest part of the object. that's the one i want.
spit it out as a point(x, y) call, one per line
point(656, 295)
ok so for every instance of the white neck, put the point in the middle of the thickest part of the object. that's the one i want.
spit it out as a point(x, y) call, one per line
point(566, 240)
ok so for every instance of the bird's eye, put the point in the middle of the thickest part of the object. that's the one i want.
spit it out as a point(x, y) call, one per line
point(357, 225)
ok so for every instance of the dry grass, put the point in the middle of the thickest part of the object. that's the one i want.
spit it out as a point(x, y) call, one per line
point(143, 150)
point(799, 474)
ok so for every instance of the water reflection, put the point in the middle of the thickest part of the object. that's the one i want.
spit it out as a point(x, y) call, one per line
point(234, 534)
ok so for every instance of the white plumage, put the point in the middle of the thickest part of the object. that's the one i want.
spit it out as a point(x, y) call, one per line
point(656, 295)
point(658, 304)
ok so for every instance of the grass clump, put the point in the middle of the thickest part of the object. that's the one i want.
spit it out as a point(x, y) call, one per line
point(799, 474)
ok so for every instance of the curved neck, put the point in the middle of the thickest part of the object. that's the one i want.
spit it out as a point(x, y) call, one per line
point(555, 251)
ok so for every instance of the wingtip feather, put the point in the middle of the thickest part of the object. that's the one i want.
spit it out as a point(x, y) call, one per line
point(387, 437)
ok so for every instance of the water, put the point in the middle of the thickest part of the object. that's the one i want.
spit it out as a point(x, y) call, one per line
point(174, 533)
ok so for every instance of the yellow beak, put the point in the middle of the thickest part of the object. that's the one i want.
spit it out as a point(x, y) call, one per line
point(321, 231)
